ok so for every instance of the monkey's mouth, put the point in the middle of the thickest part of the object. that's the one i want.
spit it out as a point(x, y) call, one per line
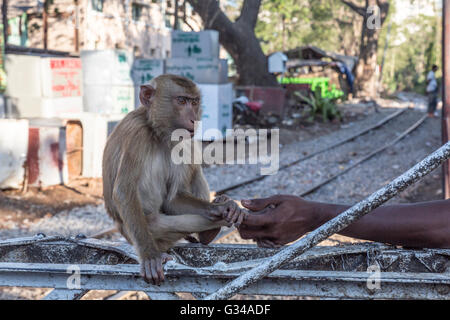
point(191, 132)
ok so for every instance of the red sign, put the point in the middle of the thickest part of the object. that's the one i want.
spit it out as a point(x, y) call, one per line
point(65, 77)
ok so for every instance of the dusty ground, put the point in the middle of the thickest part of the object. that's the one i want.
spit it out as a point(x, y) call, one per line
point(22, 209)
point(78, 208)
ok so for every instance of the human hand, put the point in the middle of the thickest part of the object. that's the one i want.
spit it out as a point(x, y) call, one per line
point(278, 220)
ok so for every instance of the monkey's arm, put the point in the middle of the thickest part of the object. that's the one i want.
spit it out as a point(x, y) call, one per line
point(196, 201)
point(136, 226)
point(185, 203)
point(200, 189)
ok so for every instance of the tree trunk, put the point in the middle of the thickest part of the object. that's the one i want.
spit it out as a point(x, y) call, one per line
point(239, 39)
point(366, 80)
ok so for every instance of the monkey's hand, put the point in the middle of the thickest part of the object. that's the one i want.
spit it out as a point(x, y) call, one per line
point(230, 210)
point(152, 268)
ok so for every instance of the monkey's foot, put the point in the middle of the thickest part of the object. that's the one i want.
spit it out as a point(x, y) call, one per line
point(191, 239)
point(152, 269)
point(266, 243)
point(207, 236)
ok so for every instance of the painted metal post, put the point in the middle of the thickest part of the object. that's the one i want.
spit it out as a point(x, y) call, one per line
point(446, 90)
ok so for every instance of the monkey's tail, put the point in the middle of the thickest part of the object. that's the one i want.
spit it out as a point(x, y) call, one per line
point(104, 233)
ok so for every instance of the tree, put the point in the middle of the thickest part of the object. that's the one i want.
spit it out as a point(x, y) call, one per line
point(374, 14)
point(239, 39)
point(327, 24)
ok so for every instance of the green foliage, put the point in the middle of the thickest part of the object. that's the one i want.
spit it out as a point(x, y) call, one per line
point(319, 105)
point(414, 44)
point(287, 24)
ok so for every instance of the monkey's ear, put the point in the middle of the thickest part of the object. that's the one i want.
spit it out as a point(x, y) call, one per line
point(146, 95)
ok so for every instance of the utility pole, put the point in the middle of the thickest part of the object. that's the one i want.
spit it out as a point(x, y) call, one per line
point(76, 29)
point(175, 16)
point(45, 24)
point(446, 90)
point(5, 21)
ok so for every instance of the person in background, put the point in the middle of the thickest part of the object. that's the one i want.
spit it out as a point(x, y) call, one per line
point(432, 91)
point(281, 219)
point(344, 69)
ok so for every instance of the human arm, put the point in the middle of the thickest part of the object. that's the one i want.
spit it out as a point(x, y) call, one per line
point(283, 219)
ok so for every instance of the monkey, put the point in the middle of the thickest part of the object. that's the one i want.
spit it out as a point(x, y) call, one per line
point(153, 201)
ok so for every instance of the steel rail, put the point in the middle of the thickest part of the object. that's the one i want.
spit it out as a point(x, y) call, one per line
point(322, 150)
point(367, 157)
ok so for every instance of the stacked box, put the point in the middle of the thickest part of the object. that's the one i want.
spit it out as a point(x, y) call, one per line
point(195, 55)
point(217, 113)
point(203, 44)
point(144, 70)
point(199, 70)
point(108, 85)
point(43, 86)
point(13, 152)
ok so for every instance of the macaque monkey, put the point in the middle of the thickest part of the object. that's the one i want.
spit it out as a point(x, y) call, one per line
point(153, 201)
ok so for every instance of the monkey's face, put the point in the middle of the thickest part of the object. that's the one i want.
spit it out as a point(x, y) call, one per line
point(173, 103)
point(187, 108)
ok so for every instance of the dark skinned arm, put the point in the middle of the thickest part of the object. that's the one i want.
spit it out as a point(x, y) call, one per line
point(282, 219)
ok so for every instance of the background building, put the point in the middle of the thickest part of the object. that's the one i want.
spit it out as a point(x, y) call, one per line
point(142, 26)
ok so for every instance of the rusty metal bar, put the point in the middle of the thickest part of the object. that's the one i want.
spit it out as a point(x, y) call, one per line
point(65, 294)
point(446, 90)
point(327, 272)
point(327, 284)
point(335, 225)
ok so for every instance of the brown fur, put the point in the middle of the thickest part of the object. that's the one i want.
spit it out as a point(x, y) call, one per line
point(153, 201)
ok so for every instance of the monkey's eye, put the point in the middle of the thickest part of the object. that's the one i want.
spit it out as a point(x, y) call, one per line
point(195, 102)
point(181, 100)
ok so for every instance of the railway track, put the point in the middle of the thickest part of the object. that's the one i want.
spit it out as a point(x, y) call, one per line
point(399, 135)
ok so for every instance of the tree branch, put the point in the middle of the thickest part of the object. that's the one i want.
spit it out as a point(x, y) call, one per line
point(249, 13)
point(359, 10)
point(384, 9)
point(211, 14)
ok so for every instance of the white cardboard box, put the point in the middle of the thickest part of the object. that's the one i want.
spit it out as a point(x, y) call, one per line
point(200, 70)
point(33, 76)
point(217, 111)
point(32, 107)
point(203, 44)
point(13, 152)
point(107, 67)
point(109, 99)
point(43, 87)
point(144, 70)
point(61, 77)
